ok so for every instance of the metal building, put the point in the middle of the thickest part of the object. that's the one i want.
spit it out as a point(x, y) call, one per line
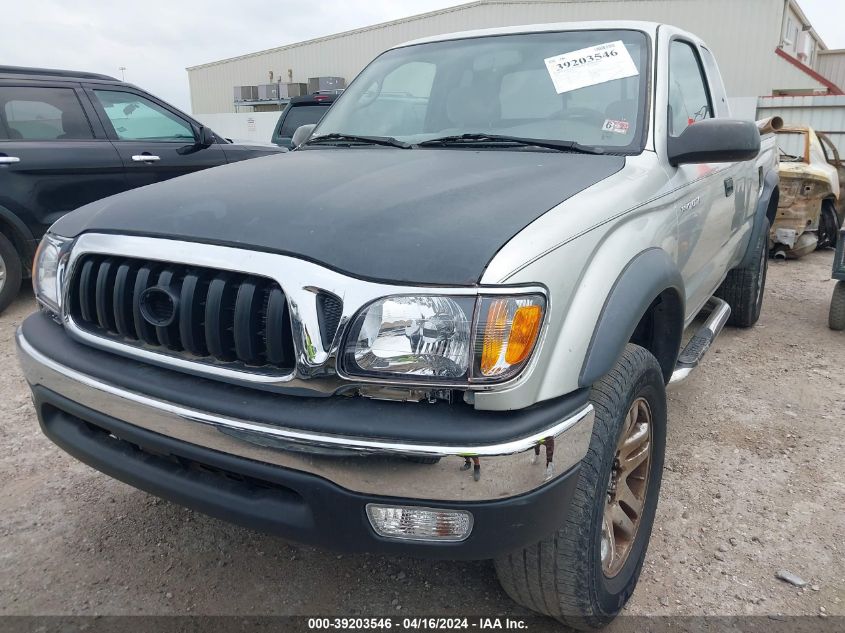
point(764, 47)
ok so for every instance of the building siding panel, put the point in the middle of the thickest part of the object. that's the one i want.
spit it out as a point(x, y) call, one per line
point(832, 66)
point(743, 36)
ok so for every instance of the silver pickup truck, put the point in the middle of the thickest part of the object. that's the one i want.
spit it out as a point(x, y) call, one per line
point(443, 326)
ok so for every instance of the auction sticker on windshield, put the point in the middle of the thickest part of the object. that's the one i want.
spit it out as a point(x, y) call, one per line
point(590, 66)
point(617, 127)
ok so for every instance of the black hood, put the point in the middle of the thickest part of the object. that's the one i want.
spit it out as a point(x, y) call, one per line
point(427, 216)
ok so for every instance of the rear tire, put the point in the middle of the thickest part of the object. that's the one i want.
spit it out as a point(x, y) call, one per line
point(744, 288)
point(837, 307)
point(10, 272)
point(828, 226)
point(563, 576)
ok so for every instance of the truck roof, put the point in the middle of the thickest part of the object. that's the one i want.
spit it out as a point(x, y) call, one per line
point(632, 25)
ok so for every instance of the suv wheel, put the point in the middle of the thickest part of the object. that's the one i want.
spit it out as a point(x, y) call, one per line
point(10, 272)
point(586, 571)
point(743, 288)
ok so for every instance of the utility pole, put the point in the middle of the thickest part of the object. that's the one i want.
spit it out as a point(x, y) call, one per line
point(122, 70)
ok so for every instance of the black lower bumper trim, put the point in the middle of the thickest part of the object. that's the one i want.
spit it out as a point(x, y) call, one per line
point(295, 505)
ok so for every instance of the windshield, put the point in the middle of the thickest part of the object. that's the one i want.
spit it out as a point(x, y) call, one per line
point(792, 146)
point(583, 86)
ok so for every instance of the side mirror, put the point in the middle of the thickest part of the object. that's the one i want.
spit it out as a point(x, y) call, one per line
point(301, 135)
point(205, 137)
point(715, 141)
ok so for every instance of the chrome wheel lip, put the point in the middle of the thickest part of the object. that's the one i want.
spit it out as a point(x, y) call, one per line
point(2, 273)
point(638, 434)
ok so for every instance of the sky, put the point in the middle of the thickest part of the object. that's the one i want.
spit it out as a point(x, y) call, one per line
point(155, 40)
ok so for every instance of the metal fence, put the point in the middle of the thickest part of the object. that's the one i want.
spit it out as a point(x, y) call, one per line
point(822, 113)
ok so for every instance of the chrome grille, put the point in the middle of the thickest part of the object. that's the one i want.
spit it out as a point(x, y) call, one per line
point(329, 311)
point(207, 315)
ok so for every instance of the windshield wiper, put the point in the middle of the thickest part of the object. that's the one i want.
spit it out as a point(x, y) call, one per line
point(563, 146)
point(363, 140)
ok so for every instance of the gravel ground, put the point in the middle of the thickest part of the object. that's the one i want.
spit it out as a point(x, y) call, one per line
point(754, 483)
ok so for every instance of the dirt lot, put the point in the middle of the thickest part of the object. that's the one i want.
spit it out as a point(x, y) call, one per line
point(754, 483)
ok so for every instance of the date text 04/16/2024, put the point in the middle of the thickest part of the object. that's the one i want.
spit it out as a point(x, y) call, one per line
point(417, 624)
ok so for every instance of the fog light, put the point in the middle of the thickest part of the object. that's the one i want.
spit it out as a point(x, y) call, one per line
point(419, 524)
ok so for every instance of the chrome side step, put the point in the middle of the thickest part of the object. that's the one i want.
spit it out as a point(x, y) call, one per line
point(701, 341)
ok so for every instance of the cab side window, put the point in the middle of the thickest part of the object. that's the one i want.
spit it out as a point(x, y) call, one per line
point(689, 100)
point(717, 86)
point(42, 114)
point(135, 118)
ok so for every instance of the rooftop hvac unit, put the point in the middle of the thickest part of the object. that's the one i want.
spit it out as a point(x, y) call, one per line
point(325, 84)
point(246, 93)
point(268, 92)
point(290, 90)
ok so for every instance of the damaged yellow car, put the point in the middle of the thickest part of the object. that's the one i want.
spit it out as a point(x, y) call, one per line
point(810, 210)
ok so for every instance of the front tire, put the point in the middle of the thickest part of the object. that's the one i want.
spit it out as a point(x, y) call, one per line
point(568, 575)
point(10, 272)
point(744, 288)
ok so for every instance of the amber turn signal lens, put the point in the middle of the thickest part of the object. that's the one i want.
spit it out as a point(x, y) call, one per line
point(506, 334)
point(524, 331)
point(494, 335)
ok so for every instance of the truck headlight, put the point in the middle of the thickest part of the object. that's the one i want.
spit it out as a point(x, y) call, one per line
point(420, 336)
point(48, 269)
point(444, 338)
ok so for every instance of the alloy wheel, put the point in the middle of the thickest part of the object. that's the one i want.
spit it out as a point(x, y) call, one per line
point(626, 491)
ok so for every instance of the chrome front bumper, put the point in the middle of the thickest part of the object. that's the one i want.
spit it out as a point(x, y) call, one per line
point(357, 464)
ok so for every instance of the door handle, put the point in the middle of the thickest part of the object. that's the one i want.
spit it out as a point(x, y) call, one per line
point(8, 160)
point(145, 158)
point(729, 187)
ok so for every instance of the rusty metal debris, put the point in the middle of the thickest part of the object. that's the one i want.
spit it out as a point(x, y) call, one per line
point(769, 125)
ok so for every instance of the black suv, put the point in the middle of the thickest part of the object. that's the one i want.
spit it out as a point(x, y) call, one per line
point(300, 111)
point(69, 138)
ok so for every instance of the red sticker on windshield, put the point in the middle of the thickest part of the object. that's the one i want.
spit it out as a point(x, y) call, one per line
point(617, 127)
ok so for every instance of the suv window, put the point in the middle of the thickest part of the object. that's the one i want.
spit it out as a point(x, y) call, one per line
point(135, 118)
point(688, 98)
point(42, 114)
point(301, 115)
